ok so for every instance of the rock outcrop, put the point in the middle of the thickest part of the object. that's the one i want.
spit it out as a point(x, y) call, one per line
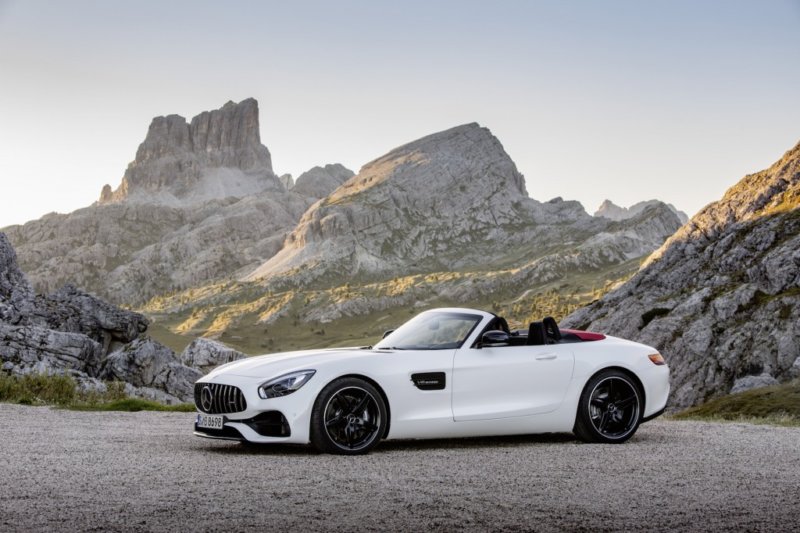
point(74, 333)
point(319, 182)
point(219, 154)
point(610, 210)
point(207, 354)
point(721, 298)
point(146, 363)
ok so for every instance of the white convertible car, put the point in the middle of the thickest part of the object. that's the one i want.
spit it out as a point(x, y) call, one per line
point(445, 373)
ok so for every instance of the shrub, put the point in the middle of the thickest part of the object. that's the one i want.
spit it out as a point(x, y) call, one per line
point(37, 389)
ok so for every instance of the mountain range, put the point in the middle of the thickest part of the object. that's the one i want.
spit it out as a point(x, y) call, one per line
point(201, 204)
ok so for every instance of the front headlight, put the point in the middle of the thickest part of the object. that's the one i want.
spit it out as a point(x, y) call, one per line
point(286, 384)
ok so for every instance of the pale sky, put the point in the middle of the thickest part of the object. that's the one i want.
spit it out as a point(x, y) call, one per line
point(627, 100)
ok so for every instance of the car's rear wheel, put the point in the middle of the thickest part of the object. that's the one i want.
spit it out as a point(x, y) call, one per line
point(610, 408)
point(349, 417)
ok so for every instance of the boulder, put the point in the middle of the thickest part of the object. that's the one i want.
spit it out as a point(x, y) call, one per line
point(206, 354)
point(146, 363)
point(27, 348)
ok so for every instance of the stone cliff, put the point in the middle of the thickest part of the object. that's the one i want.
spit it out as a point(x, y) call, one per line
point(218, 154)
point(721, 298)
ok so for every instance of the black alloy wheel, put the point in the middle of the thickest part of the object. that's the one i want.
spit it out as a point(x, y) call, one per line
point(349, 417)
point(610, 408)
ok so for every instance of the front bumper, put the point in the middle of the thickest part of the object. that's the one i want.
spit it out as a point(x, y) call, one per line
point(266, 425)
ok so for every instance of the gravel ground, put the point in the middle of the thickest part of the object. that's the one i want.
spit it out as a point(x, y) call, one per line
point(70, 471)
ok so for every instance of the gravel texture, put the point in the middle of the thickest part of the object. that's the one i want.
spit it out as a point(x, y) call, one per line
point(77, 471)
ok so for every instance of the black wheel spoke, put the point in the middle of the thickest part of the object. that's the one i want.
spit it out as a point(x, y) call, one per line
point(626, 402)
point(603, 421)
point(334, 421)
point(360, 405)
point(599, 402)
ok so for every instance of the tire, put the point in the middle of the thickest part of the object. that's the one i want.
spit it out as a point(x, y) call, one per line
point(610, 408)
point(349, 417)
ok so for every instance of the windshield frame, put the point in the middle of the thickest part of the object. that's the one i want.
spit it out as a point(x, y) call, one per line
point(387, 343)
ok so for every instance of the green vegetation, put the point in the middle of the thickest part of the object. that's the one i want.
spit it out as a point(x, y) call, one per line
point(36, 389)
point(258, 319)
point(779, 404)
point(62, 391)
point(133, 405)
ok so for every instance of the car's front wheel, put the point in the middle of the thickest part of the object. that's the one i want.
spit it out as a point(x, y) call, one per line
point(610, 408)
point(349, 417)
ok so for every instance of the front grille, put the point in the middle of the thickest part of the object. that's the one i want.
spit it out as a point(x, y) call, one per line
point(218, 399)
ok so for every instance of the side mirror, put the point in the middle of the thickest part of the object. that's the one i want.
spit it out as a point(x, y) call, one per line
point(387, 333)
point(494, 339)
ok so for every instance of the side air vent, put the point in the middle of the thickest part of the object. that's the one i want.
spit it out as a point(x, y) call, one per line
point(429, 380)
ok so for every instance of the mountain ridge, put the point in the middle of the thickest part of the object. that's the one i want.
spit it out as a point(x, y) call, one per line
point(721, 297)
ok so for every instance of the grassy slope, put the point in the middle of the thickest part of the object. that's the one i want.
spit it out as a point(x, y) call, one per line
point(779, 404)
point(235, 313)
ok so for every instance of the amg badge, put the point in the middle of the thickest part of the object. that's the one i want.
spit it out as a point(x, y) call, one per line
point(429, 380)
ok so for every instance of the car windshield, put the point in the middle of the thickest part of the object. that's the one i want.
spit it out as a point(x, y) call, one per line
point(431, 331)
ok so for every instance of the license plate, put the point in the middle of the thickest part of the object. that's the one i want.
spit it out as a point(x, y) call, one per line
point(210, 421)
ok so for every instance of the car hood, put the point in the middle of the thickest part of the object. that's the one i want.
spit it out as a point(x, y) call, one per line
point(272, 365)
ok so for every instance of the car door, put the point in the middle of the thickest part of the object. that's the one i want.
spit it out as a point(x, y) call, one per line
point(509, 381)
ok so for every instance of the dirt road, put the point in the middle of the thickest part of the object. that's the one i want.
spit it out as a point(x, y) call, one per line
point(70, 471)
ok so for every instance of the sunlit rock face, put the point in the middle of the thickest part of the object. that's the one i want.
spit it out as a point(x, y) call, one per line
point(449, 201)
point(721, 298)
point(216, 155)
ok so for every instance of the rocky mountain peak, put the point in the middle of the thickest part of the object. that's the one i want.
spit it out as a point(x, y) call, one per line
point(443, 156)
point(774, 190)
point(319, 182)
point(440, 193)
point(218, 154)
point(612, 211)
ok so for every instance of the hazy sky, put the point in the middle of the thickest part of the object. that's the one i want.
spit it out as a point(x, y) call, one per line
point(627, 100)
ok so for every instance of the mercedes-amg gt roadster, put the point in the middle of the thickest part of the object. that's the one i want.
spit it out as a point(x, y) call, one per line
point(445, 373)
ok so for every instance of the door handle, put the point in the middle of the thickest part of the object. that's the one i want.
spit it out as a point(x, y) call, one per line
point(545, 357)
